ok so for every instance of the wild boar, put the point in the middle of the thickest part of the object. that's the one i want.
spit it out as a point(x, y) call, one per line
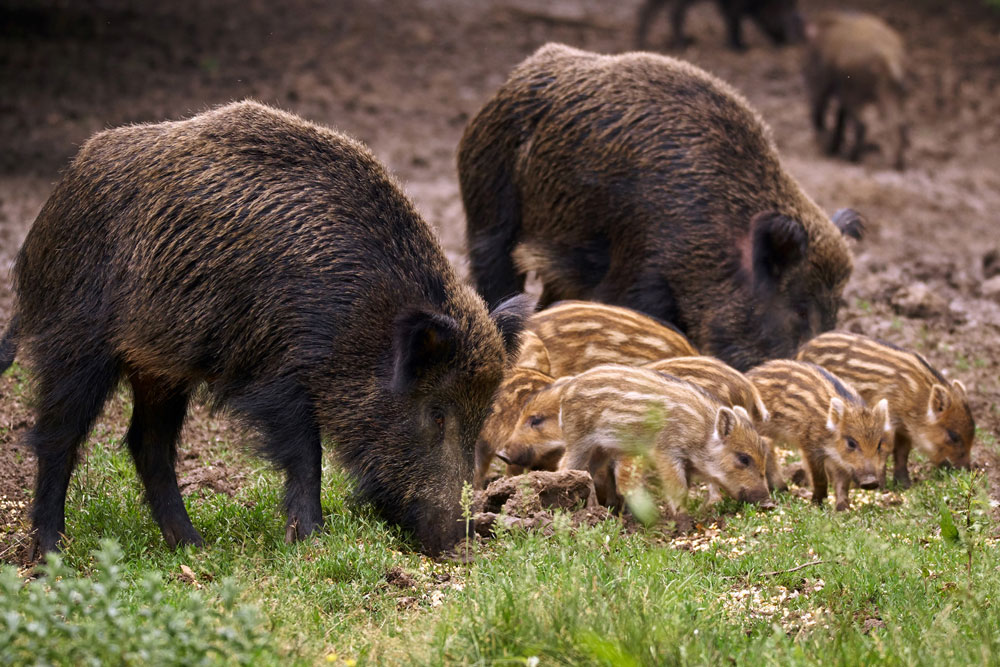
point(780, 20)
point(515, 390)
point(840, 436)
point(612, 412)
point(856, 60)
point(278, 263)
point(577, 335)
point(927, 410)
point(645, 182)
point(731, 388)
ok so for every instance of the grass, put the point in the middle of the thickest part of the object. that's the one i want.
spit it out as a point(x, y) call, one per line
point(880, 583)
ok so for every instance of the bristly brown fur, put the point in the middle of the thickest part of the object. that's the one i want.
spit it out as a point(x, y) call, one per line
point(927, 411)
point(279, 263)
point(643, 181)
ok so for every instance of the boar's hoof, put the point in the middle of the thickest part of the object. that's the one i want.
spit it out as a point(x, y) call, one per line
point(179, 536)
point(297, 530)
point(843, 505)
point(768, 505)
point(868, 483)
point(903, 480)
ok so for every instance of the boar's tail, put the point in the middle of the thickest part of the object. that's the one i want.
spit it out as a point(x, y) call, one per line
point(8, 345)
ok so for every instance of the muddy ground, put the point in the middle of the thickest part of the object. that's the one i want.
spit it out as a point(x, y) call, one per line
point(405, 76)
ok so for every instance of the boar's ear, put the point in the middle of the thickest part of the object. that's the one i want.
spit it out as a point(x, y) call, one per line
point(882, 410)
point(938, 402)
point(850, 223)
point(725, 422)
point(778, 242)
point(423, 341)
point(835, 416)
point(510, 317)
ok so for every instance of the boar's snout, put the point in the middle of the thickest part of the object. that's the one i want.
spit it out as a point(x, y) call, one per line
point(759, 496)
point(440, 529)
point(868, 481)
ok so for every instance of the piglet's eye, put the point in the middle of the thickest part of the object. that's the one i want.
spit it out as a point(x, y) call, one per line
point(953, 437)
point(743, 460)
point(534, 421)
point(439, 419)
point(852, 444)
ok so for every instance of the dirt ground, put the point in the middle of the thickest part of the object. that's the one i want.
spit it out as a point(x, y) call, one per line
point(405, 76)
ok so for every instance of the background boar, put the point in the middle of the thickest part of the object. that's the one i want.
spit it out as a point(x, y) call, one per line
point(827, 420)
point(643, 181)
point(577, 335)
point(277, 262)
point(926, 409)
point(856, 60)
point(778, 19)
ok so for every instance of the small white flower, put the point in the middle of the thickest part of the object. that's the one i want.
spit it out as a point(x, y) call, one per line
point(532, 661)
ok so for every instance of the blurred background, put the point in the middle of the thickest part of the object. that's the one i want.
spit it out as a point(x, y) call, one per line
point(405, 76)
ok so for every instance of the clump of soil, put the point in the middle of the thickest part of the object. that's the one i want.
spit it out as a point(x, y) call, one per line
point(526, 501)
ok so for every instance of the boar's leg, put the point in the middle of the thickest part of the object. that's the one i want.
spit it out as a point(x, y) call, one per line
point(817, 478)
point(837, 137)
point(900, 456)
point(860, 133)
point(775, 480)
point(677, 17)
point(157, 416)
point(494, 225)
point(734, 25)
point(70, 396)
point(647, 12)
point(282, 412)
point(841, 489)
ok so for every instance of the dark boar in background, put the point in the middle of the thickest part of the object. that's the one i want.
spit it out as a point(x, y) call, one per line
point(780, 20)
point(856, 60)
point(643, 181)
point(279, 263)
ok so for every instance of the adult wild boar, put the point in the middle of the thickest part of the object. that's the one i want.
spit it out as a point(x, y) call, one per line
point(780, 20)
point(277, 262)
point(643, 181)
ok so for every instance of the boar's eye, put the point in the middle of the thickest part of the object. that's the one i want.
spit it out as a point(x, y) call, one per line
point(743, 460)
point(438, 415)
point(852, 444)
point(534, 421)
point(954, 437)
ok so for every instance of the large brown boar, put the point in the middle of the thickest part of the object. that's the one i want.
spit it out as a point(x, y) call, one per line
point(856, 60)
point(612, 412)
point(577, 335)
point(278, 263)
point(780, 20)
point(642, 181)
point(840, 436)
point(927, 410)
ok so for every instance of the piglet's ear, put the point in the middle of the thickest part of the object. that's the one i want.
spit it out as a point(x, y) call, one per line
point(725, 422)
point(778, 242)
point(835, 415)
point(850, 223)
point(882, 410)
point(510, 317)
point(939, 401)
point(959, 388)
point(422, 342)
